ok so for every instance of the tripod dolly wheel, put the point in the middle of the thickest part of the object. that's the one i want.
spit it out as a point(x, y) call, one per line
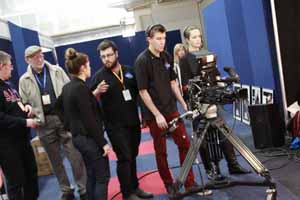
point(271, 194)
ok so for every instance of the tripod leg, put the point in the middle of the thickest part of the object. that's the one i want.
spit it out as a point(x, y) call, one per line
point(191, 156)
point(241, 148)
point(271, 194)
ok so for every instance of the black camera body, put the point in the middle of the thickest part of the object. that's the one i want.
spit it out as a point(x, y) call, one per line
point(203, 92)
point(208, 87)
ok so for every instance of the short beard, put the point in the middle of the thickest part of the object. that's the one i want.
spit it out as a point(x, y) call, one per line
point(113, 65)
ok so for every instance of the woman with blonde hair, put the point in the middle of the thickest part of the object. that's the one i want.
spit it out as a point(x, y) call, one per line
point(178, 53)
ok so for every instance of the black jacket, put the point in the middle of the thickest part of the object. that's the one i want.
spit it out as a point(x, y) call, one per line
point(12, 118)
point(80, 111)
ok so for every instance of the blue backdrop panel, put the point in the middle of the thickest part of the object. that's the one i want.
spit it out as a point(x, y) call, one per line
point(129, 48)
point(238, 38)
point(237, 32)
point(49, 56)
point(6, 45)
point(21, 38)
point(258, 42)
point(217, 34)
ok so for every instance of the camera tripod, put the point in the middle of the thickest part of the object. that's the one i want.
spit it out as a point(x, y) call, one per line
point(220, 125)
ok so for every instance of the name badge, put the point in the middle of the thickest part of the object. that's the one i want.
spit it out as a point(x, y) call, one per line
point(126, 95)
point(46, 99)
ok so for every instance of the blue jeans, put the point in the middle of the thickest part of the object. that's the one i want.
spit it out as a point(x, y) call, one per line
point(97, 166)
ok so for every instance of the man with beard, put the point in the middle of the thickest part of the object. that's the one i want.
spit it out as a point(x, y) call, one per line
point(115, 86)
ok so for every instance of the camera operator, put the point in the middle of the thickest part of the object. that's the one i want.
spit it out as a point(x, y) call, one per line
point(159, 92)
point(190, 67)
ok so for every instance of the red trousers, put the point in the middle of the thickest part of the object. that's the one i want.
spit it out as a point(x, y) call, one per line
point(183, 144)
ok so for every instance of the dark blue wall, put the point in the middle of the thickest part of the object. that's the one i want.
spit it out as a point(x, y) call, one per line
point(49, 56)
point(21, 38)
point(129, 48)
point(6, 45)
point(237, 32)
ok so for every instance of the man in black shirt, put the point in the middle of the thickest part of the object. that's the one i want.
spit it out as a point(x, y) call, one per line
point(159, 90)
point(16, 155)
point(116, 87)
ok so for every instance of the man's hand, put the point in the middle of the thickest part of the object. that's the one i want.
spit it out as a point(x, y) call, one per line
point(31, 123)
point(102, 87)
point(28, 110)
point(106, 150)
point(161, 122)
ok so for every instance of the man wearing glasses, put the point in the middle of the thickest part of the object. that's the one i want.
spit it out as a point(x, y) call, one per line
point(40, 86)
point(16, 156)
point(116, 87)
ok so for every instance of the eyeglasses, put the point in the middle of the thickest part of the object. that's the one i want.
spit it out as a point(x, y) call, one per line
point(107, 55)
point(8, 64)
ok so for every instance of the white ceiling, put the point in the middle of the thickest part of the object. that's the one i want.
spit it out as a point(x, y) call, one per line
point(55, 17)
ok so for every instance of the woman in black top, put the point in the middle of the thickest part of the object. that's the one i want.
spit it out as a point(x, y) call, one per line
point(81, 116)
point(190, 67)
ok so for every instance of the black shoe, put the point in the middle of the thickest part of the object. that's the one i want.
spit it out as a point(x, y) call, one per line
point(196, 187)
point(214, 173)
point(142, 194)
point(236, 168)
point(67, 196)
point(132, 197)
point(83, 196)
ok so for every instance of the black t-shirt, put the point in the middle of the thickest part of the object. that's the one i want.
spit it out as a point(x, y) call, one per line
point(117, 111)
point(154, 74)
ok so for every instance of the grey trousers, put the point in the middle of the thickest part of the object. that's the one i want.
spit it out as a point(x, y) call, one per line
point(53, 137)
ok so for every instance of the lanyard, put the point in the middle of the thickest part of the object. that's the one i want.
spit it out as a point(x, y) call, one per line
point(44, 81)
point(120, 78)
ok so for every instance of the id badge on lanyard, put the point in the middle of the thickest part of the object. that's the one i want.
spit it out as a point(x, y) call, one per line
point(125, 92)
point(126, 95)
point(46, 99)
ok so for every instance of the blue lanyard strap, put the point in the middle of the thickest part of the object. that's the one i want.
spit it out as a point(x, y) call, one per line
point(44, 81)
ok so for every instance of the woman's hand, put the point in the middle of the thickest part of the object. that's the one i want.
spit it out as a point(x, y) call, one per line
point(106, 150)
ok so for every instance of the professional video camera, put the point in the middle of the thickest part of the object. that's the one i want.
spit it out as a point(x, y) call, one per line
point(220, 92)
point(208, 87)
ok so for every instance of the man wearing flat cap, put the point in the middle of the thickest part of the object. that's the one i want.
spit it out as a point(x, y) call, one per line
point(40, 86)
